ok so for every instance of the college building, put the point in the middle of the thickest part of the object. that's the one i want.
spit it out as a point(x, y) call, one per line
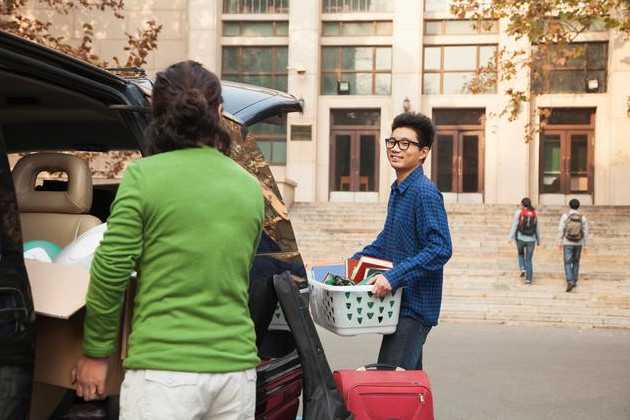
point(356, 64)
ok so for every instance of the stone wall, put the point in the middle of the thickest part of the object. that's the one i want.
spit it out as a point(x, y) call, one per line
point(109, 31)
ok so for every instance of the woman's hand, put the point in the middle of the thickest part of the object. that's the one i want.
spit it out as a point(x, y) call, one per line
point(381, 285)
point(89, 377)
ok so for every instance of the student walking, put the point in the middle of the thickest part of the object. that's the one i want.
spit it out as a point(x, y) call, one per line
point(525, 231)
point(573, 231)
point(415, 238)
point(188, 219)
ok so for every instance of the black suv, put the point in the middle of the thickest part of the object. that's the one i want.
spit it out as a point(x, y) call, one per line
point(54, 103)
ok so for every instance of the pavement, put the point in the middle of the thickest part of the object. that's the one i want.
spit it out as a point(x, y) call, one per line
point(483, 371)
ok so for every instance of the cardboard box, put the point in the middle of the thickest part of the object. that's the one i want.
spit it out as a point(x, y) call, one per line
point(59, 294)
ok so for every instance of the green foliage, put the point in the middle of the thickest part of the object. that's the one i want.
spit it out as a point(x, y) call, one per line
point(14, 19)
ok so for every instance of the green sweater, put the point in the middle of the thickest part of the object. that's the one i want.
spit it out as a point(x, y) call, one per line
point(189, 222)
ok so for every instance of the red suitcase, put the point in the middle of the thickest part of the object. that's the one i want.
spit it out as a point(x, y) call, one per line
point(386, 394)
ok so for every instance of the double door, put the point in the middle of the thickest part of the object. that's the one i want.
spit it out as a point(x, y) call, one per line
point(566, 162)
point(354, 158)
point(458, 163)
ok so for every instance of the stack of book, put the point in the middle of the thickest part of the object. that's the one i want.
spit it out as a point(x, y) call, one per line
point(358, 272)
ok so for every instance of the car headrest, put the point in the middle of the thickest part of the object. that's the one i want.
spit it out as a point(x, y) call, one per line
point(76, 200)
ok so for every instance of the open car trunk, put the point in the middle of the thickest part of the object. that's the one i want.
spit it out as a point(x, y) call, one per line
point(53, 103)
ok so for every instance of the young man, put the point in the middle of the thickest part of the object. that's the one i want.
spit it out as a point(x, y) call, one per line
point(415, 238)
point(573, 231)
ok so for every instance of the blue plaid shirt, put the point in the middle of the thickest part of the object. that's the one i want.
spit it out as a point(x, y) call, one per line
point(417, 240)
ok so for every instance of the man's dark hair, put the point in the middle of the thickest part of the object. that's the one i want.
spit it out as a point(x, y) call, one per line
point(421, 124)
point(574, 203)
point(185, 105)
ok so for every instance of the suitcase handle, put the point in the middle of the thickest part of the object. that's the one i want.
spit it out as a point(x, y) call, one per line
point(380, 366)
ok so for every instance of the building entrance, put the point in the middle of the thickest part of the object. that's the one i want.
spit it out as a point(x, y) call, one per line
point(354, 155)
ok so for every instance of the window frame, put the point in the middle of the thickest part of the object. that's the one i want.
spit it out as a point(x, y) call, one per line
point(272, 138)
point(277, 7)
point(478, 31)
point(274, 74)
point(442, 72)
point(565, 131)
point(339, 8)
point(341, 24)
point(457, 131)
point(339, 71)
point(545, 88)
point(274, 23)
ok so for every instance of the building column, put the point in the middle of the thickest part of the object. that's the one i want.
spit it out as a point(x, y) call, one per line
point(511, 171)
point(304, 53)
point(204, 23)
point(612, 162)
point(406, 74)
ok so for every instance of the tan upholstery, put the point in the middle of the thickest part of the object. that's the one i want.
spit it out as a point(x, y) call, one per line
point(54, 216)
point(78, 198)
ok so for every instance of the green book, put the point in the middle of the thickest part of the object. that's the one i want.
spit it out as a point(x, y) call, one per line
point(336, 280)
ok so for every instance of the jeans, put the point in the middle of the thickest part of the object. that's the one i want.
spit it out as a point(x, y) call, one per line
point(403, 348)
point(15, 392)
point(525, 255)
point(572, 255)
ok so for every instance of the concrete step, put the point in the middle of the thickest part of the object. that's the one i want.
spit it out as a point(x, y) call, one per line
point(481, 281)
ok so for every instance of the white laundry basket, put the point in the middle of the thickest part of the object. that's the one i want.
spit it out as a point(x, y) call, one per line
point(353, 310)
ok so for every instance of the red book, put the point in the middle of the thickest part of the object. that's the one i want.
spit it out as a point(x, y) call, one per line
point(350, 264)
point(365, 262)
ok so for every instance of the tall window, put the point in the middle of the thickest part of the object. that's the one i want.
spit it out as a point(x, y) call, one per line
point(356, 70)
point(255, 6)
point(255, 28)
point(579, 68)
point(262, 66)
point(271, 139)
point(449, 69)
point(357, 6)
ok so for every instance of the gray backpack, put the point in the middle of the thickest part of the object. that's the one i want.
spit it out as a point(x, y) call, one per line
point(574, 229)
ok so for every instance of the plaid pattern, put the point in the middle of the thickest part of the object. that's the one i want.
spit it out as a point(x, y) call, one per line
point(417, 240)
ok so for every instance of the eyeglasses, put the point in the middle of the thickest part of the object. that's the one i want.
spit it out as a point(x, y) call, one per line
point(403, 144)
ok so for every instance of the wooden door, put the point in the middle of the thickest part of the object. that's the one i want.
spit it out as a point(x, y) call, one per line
point(354, 160)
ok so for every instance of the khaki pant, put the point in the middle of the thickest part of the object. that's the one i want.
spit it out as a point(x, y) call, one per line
point(167, 395)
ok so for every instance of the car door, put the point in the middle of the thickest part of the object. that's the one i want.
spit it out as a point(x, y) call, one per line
point(277, 251)
point(16, 303)
point(17, 316)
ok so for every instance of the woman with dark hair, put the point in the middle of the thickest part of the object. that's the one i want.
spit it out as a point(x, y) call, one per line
point(188, 219)
point(526, 232)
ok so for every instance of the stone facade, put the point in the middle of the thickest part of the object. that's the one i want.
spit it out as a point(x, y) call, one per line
point(109, 31)
point(510, 168)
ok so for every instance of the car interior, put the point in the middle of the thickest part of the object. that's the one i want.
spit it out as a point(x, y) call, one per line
point(35, 117)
